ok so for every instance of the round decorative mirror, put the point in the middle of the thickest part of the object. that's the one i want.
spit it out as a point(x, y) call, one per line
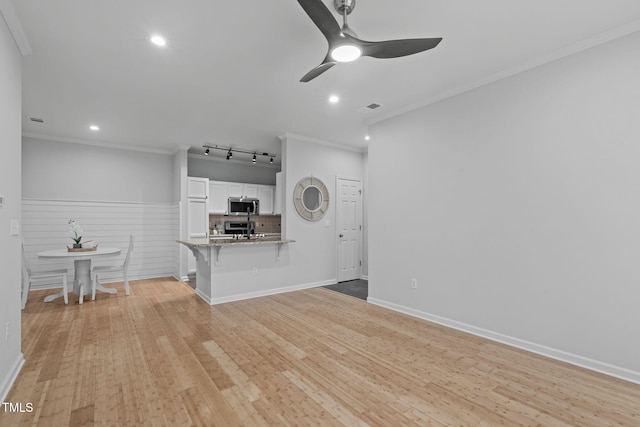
point(311, 198)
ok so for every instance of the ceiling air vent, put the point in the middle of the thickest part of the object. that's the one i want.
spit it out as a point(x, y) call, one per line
point(36, 119)
point(370, 107)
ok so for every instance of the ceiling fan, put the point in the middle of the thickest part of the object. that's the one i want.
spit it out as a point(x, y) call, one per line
point(344, 44)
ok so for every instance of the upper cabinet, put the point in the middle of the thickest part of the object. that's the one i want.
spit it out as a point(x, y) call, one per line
point(277, 197)
point(220, 191)
point(218, 195)
point(197, 188)
point(251, 190)
point(235, 189)
point(238, 189)
point(265, 195)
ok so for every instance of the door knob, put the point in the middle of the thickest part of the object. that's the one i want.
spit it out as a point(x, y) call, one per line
point(341, 235)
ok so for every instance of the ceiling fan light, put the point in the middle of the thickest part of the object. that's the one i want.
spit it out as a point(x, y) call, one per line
point(346, 53)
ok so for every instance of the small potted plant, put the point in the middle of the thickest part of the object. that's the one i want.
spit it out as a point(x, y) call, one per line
point(76, 233)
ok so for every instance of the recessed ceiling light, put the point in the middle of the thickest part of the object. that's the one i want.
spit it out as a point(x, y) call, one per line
point(94, 128)
point(333, 99)
point(158, 40)
point(366, 138)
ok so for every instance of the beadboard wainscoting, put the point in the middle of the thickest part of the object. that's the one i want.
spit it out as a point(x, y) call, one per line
point(155, 227)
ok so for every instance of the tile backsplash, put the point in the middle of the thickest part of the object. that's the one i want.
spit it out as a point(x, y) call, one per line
point(264, 223)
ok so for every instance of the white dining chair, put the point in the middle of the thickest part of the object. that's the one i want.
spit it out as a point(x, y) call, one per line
point(101, 269)
point(30, 276)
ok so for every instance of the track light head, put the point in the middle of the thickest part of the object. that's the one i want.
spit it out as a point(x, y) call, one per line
point(254, 158)
point(206, 152)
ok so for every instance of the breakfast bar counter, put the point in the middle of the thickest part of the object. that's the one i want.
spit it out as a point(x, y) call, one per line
point(244, 269)
point(220, 242)
point(229, 241)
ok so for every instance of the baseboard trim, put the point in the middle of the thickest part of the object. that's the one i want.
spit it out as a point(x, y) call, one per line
point(573, 359)
point(204, 296)
point(7, 382)
point(364, 277)
point(39, 287)
point(267, 292)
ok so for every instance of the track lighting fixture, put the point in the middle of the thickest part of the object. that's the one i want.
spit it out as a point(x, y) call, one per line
point(229, 153)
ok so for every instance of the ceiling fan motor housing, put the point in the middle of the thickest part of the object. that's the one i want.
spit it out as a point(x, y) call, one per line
point(344, 5)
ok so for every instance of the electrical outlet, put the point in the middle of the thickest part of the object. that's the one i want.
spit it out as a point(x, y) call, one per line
point(254, 270)
point(6, 331)
point(414, 284)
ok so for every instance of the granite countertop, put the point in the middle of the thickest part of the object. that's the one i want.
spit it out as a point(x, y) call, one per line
point(218, 241)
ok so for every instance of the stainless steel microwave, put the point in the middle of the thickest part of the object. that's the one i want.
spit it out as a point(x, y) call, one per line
point(243, 206)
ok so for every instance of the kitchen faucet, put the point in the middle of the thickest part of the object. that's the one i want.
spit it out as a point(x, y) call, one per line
point(248, 223)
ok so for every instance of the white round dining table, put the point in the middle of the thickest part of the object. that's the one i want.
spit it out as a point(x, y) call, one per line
point(82, 267)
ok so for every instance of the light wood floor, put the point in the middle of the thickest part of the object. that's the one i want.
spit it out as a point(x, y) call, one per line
point(162, 357)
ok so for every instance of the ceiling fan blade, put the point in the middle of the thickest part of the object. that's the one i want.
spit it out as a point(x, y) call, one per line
point(397, 48)
point(317, 71)
point(322, 17)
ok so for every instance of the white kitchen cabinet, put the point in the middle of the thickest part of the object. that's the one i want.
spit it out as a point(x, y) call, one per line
point(239, 189)
point(236, 189)
point(197, 223)
point(250, 190)
point(218, 196)
point(197, 212)
point(265, 195)
point(277, 198)
point(197, 188)
point(220, 191)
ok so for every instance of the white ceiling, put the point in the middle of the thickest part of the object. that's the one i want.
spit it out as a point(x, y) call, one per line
point(230, 73)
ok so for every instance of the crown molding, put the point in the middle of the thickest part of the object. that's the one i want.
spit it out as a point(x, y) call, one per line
point(565, 51)
point(15, 27)
point(99, 144)
point(311, 140)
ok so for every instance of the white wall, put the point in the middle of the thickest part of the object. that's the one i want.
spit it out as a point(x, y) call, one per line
point(314, 255)
point(109, 224)
point(365, 218)
point(231, 170)
point(123, 191)
point(67, 171)
point(11, 358)
point(180, 169)
point(524, 220)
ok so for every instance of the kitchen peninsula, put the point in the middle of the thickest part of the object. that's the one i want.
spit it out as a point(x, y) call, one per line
point(231, 268)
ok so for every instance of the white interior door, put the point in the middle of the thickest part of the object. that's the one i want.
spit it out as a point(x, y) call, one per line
point(349, 225)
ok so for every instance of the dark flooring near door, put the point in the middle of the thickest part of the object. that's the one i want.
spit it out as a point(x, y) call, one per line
point(356, 288)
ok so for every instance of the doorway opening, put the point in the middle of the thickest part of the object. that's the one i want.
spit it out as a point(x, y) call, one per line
point(358, 288)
